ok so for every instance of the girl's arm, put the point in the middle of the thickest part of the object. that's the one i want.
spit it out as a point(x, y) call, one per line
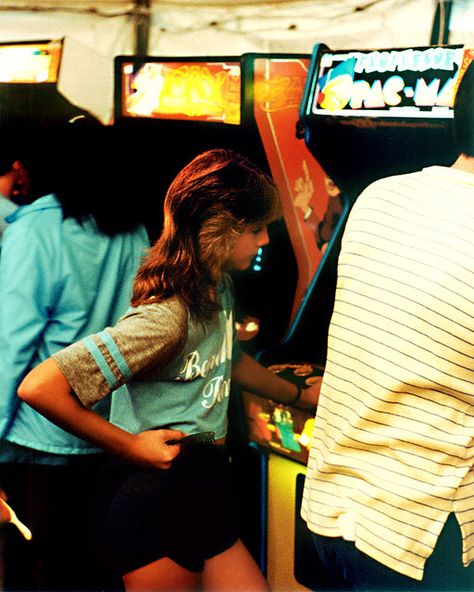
point(46, 389)
point(254, 377)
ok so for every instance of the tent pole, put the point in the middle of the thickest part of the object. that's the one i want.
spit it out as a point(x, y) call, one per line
point(142, 26)
point(441, 22)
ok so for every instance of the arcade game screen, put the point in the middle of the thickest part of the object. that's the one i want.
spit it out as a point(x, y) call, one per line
point(199, 91)
point(283, 429)
point(30, 61)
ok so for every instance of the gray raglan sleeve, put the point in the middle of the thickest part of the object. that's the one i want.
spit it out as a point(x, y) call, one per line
point(147, 338)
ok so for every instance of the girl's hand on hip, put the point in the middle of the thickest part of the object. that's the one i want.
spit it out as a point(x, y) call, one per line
point(151, 448)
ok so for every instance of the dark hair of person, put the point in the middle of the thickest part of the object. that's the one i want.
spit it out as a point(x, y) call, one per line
point(464, 113)
point(91, 180)
point(27, 140)
point(10, 145)
point(215, 197)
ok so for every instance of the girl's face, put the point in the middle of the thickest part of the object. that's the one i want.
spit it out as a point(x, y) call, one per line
point(245, 248)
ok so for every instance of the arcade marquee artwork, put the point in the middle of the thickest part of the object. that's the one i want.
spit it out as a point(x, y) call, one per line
point(30, 61)
point(393, 83)
point(183, 90)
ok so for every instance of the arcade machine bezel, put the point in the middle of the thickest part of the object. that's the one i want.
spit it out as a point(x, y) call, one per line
point(138, 62)
point(54, 46)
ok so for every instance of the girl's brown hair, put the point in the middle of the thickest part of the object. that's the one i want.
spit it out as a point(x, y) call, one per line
point(213, 199)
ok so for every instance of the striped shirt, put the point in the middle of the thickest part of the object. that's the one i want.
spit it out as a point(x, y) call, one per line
point(393, 444)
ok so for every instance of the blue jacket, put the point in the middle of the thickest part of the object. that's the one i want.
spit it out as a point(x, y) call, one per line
point(7, 207)
point(59, 281)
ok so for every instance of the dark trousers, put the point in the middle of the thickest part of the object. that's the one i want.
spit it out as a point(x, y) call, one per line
point(346, 568)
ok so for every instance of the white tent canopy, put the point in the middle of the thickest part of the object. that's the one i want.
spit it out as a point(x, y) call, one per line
point(96, 32)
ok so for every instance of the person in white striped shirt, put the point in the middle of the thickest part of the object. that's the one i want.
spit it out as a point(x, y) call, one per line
point(389, 490)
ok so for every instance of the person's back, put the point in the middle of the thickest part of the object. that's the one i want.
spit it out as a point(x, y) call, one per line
point(59, 280)
point(66, 269)
point(392, 457)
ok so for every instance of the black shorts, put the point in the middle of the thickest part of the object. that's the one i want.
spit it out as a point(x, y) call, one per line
point(185, 513)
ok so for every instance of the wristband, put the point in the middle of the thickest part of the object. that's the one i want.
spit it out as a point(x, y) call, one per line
point(298, 396)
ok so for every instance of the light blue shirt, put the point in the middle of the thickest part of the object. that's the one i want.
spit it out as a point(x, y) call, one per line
point(177, 371)
point(7, 207)
point(59, 281)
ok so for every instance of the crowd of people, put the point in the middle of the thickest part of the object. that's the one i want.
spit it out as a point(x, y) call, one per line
point(114, 350)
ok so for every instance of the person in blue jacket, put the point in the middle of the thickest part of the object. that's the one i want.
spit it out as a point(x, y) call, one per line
point(66, 268)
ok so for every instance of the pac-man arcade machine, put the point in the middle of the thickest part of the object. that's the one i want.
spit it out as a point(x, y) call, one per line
point(364, 115)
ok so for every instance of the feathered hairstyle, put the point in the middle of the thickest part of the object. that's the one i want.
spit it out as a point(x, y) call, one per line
point(213, 199)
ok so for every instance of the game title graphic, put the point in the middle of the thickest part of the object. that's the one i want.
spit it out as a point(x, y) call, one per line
point(279, 93)
point(30, 62)
point(183, 90)
point(392, 83)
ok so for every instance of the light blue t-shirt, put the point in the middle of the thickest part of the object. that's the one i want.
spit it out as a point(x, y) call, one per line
point(177, 371)
point(59, 281)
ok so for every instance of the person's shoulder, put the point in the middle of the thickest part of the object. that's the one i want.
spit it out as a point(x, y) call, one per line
point(140, 234)
point(155, 309)
point(391, 180)
point(157, 322)
point(7, 207)
point(227, 283)
point(226, 289)
point(38, 223)
point(394, 183)
point(42, 206)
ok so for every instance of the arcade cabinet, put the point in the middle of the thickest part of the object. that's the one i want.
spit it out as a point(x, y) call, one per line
point(364, 115)
point(29, 72)
point(168, 110)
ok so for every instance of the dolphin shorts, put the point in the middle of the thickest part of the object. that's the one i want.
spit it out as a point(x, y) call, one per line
point(185, 513)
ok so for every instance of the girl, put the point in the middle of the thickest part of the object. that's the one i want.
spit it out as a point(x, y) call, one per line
point(165, 519)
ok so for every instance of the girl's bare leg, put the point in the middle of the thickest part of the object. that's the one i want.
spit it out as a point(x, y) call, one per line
point(234, 570)
point(162, 574)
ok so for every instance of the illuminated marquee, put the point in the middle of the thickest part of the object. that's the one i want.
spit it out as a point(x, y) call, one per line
point(183, 90)
point(394, 83)
point(279, 93)
point(30, 62)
